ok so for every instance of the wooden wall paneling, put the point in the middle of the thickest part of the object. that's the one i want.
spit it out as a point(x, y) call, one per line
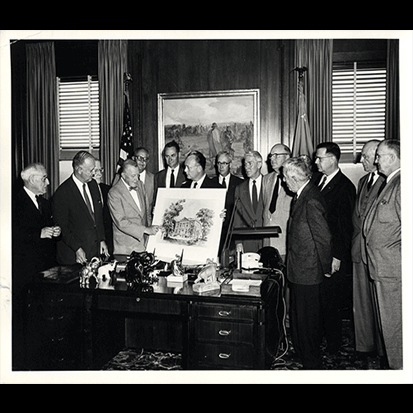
point(194, 65)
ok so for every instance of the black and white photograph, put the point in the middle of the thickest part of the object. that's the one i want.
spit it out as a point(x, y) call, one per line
point(206, 206)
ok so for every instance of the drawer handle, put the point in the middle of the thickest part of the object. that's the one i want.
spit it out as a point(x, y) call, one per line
point(224, 332)
point(224, 356)
point(224, 313)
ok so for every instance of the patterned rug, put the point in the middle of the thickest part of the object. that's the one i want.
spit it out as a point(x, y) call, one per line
point(346, 359)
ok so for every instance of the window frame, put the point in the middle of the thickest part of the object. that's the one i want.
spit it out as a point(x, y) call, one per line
point(359, 119)
point(66, 154)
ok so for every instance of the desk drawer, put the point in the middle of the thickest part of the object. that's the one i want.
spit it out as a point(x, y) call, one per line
point(225, 331)
point(138, 305)
point(226, 311)
point(224, 356)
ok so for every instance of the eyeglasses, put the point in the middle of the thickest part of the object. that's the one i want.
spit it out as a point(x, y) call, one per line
point(223, 163)
point(323, 157)
point(140, 158)
point(276, 155)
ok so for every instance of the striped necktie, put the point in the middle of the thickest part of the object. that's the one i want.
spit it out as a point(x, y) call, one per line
point(88, 204)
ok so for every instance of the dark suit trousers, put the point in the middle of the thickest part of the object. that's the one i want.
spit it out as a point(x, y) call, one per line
point(305, 322)
point(332, 297)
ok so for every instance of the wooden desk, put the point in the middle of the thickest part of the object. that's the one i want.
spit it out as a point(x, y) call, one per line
point(70, 328)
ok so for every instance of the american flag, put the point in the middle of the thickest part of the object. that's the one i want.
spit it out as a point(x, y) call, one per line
point(126, 147)
point(303, 144)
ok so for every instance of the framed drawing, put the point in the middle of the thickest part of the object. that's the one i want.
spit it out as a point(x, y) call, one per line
point(210, 122)
point(191, 224)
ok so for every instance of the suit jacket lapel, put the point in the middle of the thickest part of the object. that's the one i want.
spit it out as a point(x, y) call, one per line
point(330, 185)
point(79, 198)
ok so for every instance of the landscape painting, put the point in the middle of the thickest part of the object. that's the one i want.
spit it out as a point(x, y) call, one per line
point(210, 122)
point(190, 224)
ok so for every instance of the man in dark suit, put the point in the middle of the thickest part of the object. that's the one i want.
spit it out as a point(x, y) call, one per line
point(229, 182)
point(104, 191)
point(339, 194)
point(249, 199)
point(195, 164)
point(366, 336)
point(33, 237)
point(173, 175)
point(77, 209)
point(308, 259)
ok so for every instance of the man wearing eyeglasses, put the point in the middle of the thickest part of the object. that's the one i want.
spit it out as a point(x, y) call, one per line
point(229, 181)
point(382, 230)
point(339, 194)
point(141, 157)
point(277, 198)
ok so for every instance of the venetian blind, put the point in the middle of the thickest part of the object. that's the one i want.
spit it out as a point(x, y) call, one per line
point(78, 114)
point(359, 107)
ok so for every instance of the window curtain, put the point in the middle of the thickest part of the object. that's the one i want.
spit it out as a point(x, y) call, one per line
point(393, 91)
point(112, 64)
point(317, 56)
point(42, 121)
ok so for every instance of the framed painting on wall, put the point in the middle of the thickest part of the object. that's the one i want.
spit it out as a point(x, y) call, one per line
point(190, 222)
point(210, 122)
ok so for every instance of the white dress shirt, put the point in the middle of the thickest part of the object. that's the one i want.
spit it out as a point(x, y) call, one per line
point(79, 184)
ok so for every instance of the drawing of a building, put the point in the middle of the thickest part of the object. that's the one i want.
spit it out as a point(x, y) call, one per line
point(187, 229)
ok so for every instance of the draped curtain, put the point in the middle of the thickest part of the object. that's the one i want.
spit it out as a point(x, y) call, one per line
point(42, 121)
point(392, 91)
point(112, 64)
point(317, 56)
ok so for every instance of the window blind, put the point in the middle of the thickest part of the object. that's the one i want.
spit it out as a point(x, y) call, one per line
point(359, 107)
point(78, 114)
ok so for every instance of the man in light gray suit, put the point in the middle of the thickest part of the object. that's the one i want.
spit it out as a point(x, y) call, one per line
point(367, 339)
point(382, 230)
point(277, 198)
point(130, 214)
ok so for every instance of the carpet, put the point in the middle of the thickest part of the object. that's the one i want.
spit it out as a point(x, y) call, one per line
point(346, 359)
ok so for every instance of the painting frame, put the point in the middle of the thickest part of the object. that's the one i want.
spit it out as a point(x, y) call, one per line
point(188, 117)
point(190, 222)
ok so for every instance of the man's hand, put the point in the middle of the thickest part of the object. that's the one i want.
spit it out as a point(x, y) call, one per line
point(81, 256)
point(104, 250)
point(47, 232)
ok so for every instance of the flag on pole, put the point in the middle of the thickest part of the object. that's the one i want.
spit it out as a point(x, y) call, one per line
point(303, 143)
point(126, 147)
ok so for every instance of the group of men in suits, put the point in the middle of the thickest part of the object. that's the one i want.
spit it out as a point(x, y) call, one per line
point(325, 229)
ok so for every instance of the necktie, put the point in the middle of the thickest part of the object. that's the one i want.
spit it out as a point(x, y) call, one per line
point(254, 196)
point(370, 182)
point(293, 202)
point(39, 203)
point(224, 184)
point(172, 181)
point(322, 182)
point(195, 184)
point(275, 196)
point(382, 187)
point(87, 200)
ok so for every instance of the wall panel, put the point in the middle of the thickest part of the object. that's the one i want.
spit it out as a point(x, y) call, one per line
point(166, 66)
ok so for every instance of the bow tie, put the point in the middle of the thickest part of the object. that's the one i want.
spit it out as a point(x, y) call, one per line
point(133, 189)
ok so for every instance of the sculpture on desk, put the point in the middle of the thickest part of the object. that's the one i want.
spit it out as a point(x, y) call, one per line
point(89, 274)
point(207, 279)
point(140, 271)
point(208, 274)
point(107, 275)
point(176, 266)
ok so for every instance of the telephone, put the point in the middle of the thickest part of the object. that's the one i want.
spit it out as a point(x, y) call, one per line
point(250, 260)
